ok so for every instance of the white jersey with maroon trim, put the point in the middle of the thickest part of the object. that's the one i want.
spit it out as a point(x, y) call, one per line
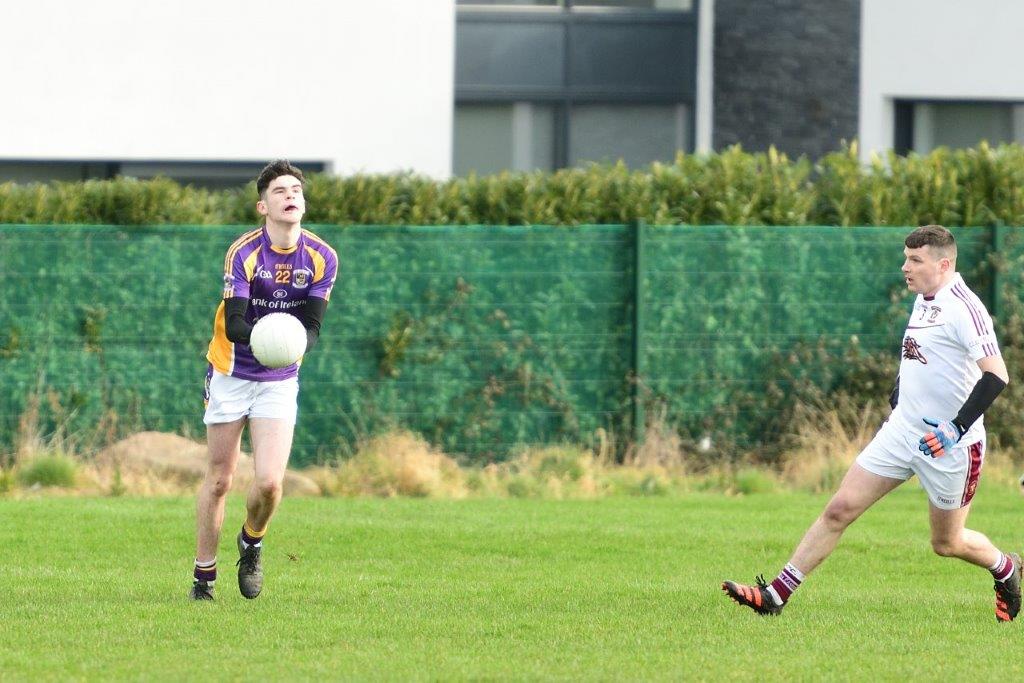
point(946, 337)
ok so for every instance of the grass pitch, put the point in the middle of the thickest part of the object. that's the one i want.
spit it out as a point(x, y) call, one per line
point(498, 589)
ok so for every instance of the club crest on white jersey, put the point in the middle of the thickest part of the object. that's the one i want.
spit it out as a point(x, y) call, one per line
point(946, 336)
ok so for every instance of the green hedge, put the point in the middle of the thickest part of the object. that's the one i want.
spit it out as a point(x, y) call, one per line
point(971, 187)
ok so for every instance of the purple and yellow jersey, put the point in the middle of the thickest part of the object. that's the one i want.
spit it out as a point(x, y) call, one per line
point(274, 280)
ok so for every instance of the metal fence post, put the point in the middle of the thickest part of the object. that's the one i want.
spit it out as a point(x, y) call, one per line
point(639, 420)
point(996, 259)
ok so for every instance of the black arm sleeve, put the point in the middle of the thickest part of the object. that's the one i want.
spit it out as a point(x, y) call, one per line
point(237, 329)
point(985, 391)
point(314, 315)
point(894, 397)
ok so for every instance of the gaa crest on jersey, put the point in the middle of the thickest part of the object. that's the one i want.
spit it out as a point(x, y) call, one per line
point(912, 350)
point(300, 278)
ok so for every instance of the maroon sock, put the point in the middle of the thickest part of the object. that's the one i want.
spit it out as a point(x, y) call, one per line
point(1004, 570)
point(788, 580)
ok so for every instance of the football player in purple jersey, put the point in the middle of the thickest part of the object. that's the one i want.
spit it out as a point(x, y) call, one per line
point(278, 267)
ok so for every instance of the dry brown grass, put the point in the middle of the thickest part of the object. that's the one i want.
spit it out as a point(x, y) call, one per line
point(395, 464)
point(28, 440)
point(400, 463)
point(404, 464)
point(564, 471)
point(662, 447)
point(1003, 468)
point(827, 441)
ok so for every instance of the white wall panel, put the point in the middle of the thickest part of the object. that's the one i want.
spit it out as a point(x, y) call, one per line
point(362, 85)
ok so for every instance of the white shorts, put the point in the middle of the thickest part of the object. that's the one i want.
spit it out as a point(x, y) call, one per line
point(949, 480)
point(230, 398)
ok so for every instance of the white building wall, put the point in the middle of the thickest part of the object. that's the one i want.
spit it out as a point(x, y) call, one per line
point(362, 85)
point(935, 49)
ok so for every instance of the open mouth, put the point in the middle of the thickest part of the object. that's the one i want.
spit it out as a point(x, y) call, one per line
point(290, 207)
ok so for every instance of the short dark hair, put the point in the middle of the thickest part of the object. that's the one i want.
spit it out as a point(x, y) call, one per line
point(276, 169)
point(934, 236)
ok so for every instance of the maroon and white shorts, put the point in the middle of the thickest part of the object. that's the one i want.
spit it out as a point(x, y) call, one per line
point(949, 480)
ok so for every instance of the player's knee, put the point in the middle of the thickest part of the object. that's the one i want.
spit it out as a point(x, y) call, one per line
point(219, 483)
point(945, 547)
point(839, 514)
point(269, 489)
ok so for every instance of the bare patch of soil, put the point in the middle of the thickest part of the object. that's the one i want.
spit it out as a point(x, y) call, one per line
point(153, 463)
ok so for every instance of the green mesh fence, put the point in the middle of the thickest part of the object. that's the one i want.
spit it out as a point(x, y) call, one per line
point(480, 338)
point(723, 307)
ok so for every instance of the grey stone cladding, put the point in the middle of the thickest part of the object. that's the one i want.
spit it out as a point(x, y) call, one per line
point(786, 73)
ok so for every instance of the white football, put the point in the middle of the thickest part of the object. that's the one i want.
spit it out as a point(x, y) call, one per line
point(278, 340)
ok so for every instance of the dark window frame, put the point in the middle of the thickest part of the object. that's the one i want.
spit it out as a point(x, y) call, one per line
point(903, 116)
point(565, 96)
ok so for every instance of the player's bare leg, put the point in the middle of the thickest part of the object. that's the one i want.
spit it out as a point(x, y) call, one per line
point(224, 444)
point(858, 491)
point(271, 444)
point(951, 538)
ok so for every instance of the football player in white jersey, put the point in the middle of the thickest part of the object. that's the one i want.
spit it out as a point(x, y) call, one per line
point(950, 372)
